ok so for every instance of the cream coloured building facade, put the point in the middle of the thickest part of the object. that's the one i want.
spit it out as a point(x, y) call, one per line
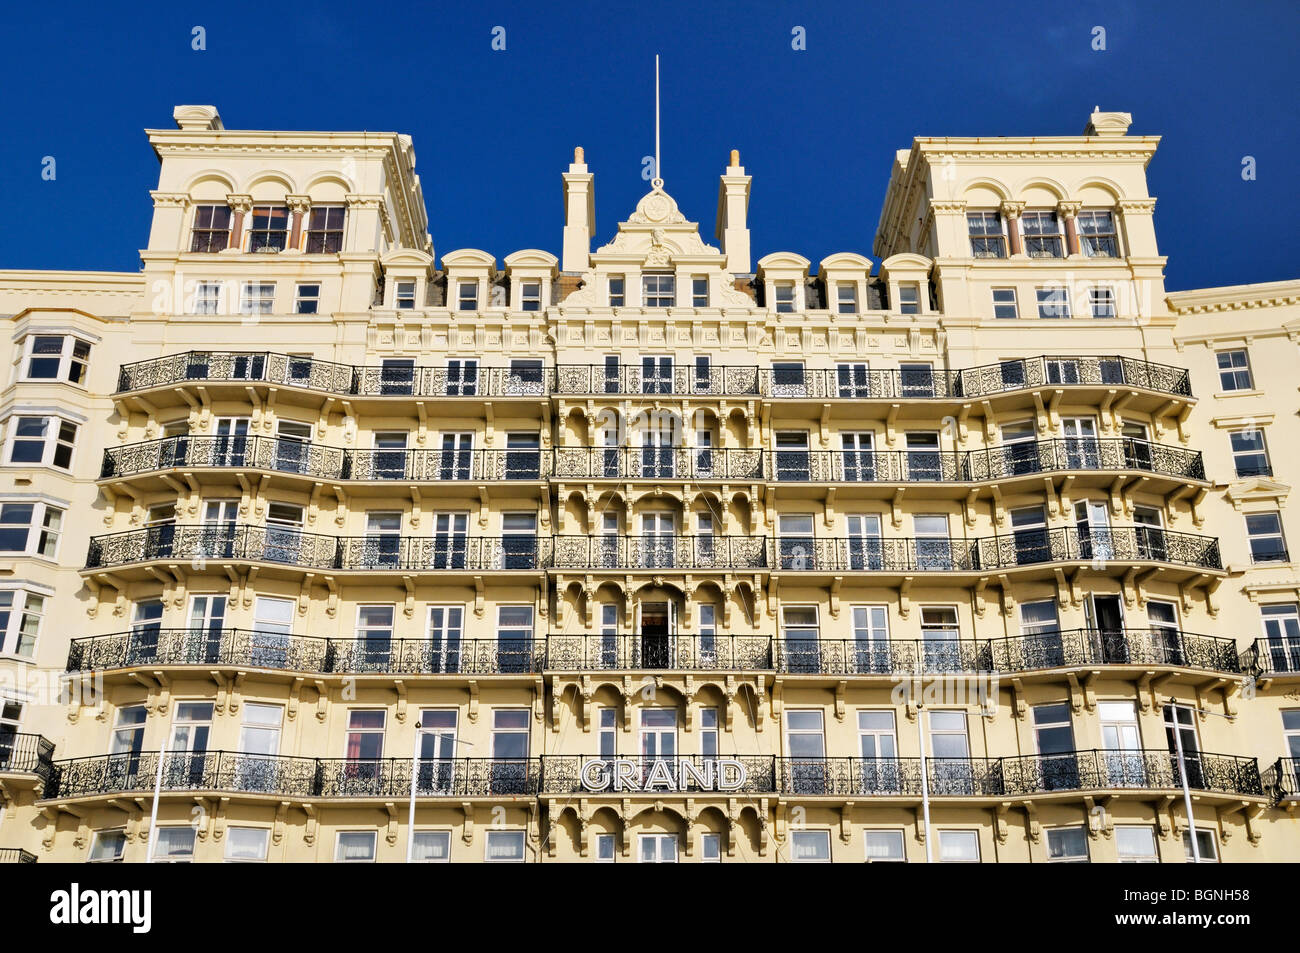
point(653, 551)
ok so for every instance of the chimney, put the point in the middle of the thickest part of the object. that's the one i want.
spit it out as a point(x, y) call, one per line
point(1108, 125)
point(197, 118)
point(733, 205)
point(579, 214)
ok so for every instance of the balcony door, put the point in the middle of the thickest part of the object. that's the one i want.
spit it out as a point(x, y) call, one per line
point(1054, 739)
point(1104, 616)
point(950, 769)
point(292, 446)
point(230, 446)
point(259, 746)
point(1166, 638)
point(940, 639)
point(437, 758)
point(859, 458)
point(805, 740)
point(1151, 541)
point(446, 629)
point(284, 523)
point(871, 649)
point(146, 629)
point(456, 456)
point(1181, 719)
point(272, 625)
point(1082, 452)
point(220, 519)
point(1137, 449)
point(656, 375)
point(1040, 644)
point(1020, 452)
point(1121, 742)
point(658, 739)
point(878, 748)
point(923, 460)
point(450, 540)
point(608, 654)
point(374, 638)
point(206, 623)
point(523, 456)
point(658, 438)
point(1092, 520)
point(609, 452)
point(795, 543)
point(866, 548)
point(793, 461)
point(656, 629)
point(1282, 636)
point(383, 544)
point(188, 748)
point(1029, 532)
point(658, 536)
point(519, 540)
point(933, 547)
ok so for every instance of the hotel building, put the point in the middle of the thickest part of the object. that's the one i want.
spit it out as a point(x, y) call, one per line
point(974, 550)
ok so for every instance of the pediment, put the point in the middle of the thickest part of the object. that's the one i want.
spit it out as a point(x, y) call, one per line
point(1256, 489)
point(656, 233)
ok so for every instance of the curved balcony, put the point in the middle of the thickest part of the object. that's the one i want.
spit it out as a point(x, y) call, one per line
point(1282, 780)
point(698, 653)
point(1277, 657)
point(247, 649)
point(657, 463)
point(659, 553)
point(1071, 771)
point(1100, 547)
point(855, 382)
point(25, 756)
point(202, 543)
point(280, 455)
point(267, 367)
point(651, 377)
point(279, 776)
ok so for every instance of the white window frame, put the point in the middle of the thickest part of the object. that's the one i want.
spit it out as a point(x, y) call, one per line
point(338, 847)
point(51, 440)
point(1014, 303)
point(661, 292)
point(466, 302)
point(299, 299)
point(265, 833)
point(66, 359)
point(19, 610)
point(40, 537)
point(823, 837)
point(893, 833)
point(207, 299)
point(254, 298)
point(513, 835)
point(1205, 837)
point(659, 840)
point(95, 842)
point(158, 841)
point(441, 832)
point(965, 832)
point(1068, 858)
point(404, 291)
point(1101, 302)
point(1053, 302)
point(1279, 535)
point(530, 294)
point(1233, 370)
point(1152, 858)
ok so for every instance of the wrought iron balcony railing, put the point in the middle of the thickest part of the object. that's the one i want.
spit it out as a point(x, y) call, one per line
point(575, 653)
point(284, 455)
point(658, 463)
point(659, 552)
point(788, 381)
point(1024, 548)
point(658, 378)
point(799, 656)
point(1282, 779)
point(856, 381)
point(282, 776)
point(16, 855)
point(25, 753)
point(522, 380)
point(246, 648)
point(1150, 646)
point(287, 546)
point(564, 774)
point(1274, 656)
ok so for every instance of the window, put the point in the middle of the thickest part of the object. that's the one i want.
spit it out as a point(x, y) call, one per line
point(885, 847)
point(656, 849)
point(207, 298)
point(515, 638)
point(462, 378)
point(659, 291)
point(269, 230)
point(1053, 303)
point(1097, 235)
point(1052, 733)
point(917, 380)
point(784, 291)
point(1266, 542)
point(31, 528)
point(20, 621)
point(605, 849)
point(617, 291)
point(405, 295)
point(1206, 846)
point(211, 228)
point(41, 441)
point(788, 379)
point(397, 375)
point(128, 730)
point(810, 847)
point(467, 296)
point(355, 847)
point(1042, 231)
point(107, 847)
point(505, 847)
point(432, 847)
point(519, 540)
point(247, 844)
point(1004, 303)
point(57, 357)
point(909, 299)
point(711, 848)
point(1136, 845)
point(174, 845)
point(325, 230)
point(1234, 370)
point(699, 292)
point(854, 380)
point(1067, 845)
point(1249, 455)
point(986, 240)
point(306, 299)
point(530, 296)
point(1282, 631)
point(959, 847)
point(846, 297)
point(1101, 302)
point(256, 297)
point(365, 738)
point(709, 732)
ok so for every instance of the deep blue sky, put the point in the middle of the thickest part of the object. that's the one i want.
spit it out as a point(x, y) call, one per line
point(816, 129)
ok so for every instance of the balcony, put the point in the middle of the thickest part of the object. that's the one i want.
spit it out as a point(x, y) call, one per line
point(245, 648)
point(1092, 647)
point(1274, 657)
point(659, 553)
point(265, 367)
point(657, 463)
point(285, 546)
point(893, 657)
point(280, 455)
point(279, 776)
point(659, 378)
point(1282, 780)
point(857, 382)
point(1122, 544)
point(16, 855)
point(708, 653)
point(24, 754)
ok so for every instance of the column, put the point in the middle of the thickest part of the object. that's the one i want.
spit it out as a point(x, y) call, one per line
point(299, 206)
point(1069, 211)
point(1011, 212)
point(240, 205)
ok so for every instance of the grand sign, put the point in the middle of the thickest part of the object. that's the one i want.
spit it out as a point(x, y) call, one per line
point(663, 774)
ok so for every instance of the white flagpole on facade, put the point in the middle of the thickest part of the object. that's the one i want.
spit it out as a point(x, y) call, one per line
point(415, 770)
point(925, 783)
point(659, 172)
point(1187, 793)
point(157, 790)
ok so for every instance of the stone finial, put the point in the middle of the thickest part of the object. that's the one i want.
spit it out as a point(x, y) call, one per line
point(1108, 124)
point(197, 118)
point(735, 157)
point(579, 157)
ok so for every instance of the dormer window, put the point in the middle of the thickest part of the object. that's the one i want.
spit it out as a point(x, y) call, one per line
point(846, 297)
point(211, 228)
point(270, 230)
point(467, 296)
point(785, 297)
point(699, 292)
point(986, 239)
point(1042, 231)
point(909, 298)
point(660, 291)
point(325, 230)
point(405, 295)
point(530, 296)
point(617, 291)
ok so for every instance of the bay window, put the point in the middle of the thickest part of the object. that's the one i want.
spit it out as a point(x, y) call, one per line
point(56, 357)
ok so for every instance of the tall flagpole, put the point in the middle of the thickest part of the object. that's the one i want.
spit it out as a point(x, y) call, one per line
point(659, 173)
